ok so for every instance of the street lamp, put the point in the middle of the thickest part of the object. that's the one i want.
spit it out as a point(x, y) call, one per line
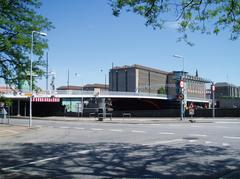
point(105, 79)
point(179, 56)
point(30, 107)
point(181, 85)
point(78, 75)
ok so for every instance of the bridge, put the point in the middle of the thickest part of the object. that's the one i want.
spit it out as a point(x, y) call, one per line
point(98, 94)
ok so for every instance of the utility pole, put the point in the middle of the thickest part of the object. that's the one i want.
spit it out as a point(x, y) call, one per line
point(47, 72)
point(68, 80)
point(213, 100)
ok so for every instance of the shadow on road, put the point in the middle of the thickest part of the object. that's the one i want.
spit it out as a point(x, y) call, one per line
point(115, 160)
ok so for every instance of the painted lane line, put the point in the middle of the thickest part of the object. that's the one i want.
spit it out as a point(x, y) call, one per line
point(116, 130)
point(231, 137)
point(198, 135)
point(136, 131)
point(79, 128)
point(219, 122)
point(167, 133)
point(64, 127)
point(208, 142)
point(225, 144)
point(97, 129)
point(192, 141)
point(164, 142)
point(45, 160)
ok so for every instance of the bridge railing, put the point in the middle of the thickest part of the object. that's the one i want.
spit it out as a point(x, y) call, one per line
point(102, 93)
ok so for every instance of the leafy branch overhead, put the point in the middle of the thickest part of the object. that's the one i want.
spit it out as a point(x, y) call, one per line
point(205, 16)
point(18, 18)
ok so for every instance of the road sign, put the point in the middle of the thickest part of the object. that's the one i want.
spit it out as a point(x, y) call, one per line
point(191, 111)
point(181, 96)
point(213, 88)
point(181, 84)
point(28, 94)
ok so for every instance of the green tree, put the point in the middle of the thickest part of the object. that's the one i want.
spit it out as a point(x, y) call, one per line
point(205, 16)
point(161, 90)
point(18, 18)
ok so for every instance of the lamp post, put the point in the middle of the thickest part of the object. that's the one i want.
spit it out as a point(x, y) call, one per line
point(213, 99)
point(181, 85)
point(78, 75)
point(30, 90)
point(105, 80)
point(179, 56)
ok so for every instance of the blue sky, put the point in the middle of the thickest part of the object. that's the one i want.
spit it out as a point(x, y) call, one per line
point(87, 39)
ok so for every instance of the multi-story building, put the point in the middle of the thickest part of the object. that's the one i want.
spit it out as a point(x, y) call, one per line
point(226, 90)
point(137, 78)
point(194, 86)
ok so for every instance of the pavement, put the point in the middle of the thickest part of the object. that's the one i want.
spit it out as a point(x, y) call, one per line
point(210, 140)
point(7, 130)
point(130, 120)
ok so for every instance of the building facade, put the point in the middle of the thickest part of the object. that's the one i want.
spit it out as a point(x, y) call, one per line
point(137, 78)
point(226, 90)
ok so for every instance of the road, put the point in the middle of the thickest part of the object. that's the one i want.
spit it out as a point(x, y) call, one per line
point(91, 149)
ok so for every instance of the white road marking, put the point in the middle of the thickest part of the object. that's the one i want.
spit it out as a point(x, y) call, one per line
point(196, 126)
point(167, 133)
point(97, 129)
point(198, 135)
point(208, 142)
point(225, 144)
point(136, 131)
point(231, 137)
point(192, 141)
point(229, 122)
point(45, 160)
point(164, 142)
point(79, 128)
point(116, 130)
point(64, 127)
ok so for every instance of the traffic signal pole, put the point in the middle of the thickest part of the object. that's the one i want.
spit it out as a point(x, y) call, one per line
point(181, 85)
point(181, 108)
point(213, 100)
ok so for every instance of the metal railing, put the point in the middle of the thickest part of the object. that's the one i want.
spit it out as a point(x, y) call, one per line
point(70, 93)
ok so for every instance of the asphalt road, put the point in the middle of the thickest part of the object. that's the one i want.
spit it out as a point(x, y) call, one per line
point(74, 149)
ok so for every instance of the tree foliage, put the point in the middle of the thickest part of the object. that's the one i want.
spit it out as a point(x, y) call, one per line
point(206, 16)
point(18, 18)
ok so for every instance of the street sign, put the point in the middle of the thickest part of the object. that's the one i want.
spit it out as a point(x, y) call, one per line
point(28, 94)
point(191, 111)
point(181, 84)
point(180, 96)
point(213, 88)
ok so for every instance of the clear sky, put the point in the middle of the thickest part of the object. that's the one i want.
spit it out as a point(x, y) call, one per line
point(87, 39)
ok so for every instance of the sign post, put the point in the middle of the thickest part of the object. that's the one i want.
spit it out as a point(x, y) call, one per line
point(213, 100)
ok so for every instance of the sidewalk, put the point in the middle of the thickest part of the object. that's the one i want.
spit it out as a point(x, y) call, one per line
point(11, 130)
point(131, 119)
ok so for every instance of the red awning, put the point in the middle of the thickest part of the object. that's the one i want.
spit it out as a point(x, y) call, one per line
point(46, 100)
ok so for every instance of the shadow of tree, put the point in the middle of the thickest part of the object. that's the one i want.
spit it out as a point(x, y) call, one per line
point(115, 160)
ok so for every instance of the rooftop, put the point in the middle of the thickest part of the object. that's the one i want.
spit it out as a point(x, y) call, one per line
point(140, 67)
